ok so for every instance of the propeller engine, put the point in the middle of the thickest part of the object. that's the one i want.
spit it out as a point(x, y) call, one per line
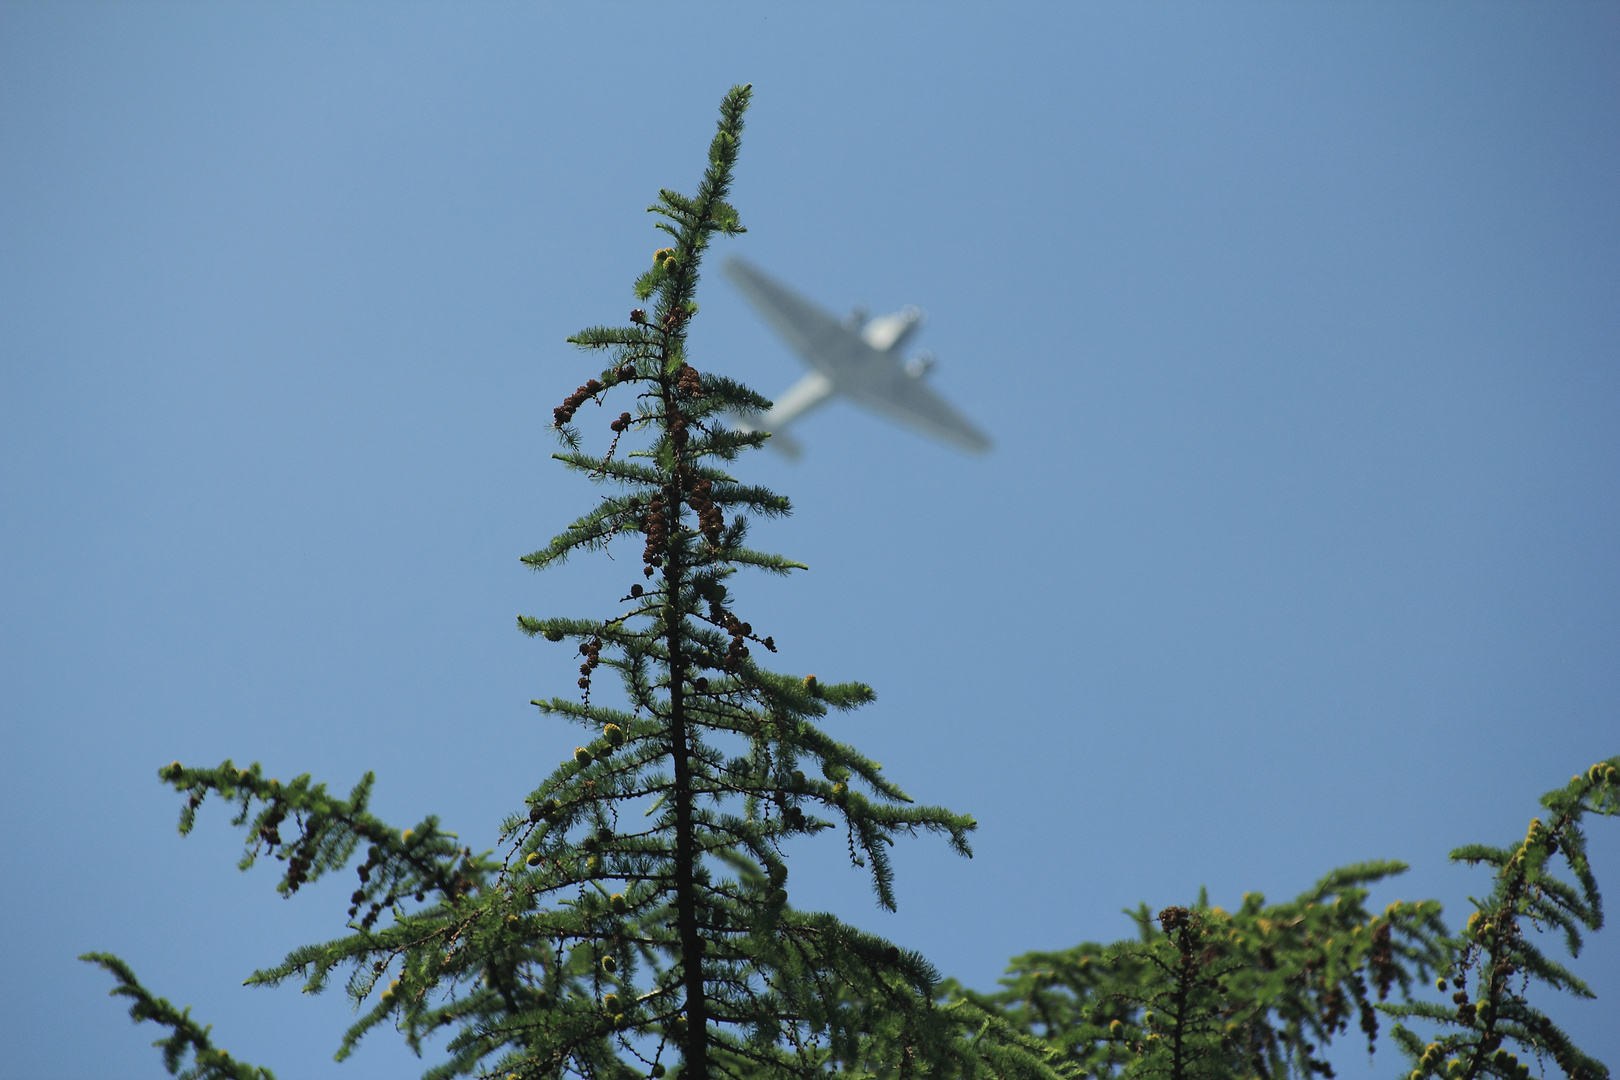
point(921, 364)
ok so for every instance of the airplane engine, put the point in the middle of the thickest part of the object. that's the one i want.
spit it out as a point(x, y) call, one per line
point(921, 364)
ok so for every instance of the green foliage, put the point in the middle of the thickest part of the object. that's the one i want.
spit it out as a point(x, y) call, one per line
point(635, 917)
point(1261, 991)
point(207, 1063)
point(1206, 992)
point(1493, 952)
point(689, 945)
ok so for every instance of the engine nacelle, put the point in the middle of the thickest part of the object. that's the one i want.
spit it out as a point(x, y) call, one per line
point(921, 364)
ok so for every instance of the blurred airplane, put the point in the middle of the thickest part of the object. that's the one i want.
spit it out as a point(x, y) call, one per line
point(857, 358)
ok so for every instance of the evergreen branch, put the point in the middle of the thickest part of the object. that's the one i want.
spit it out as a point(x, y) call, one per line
point(1492, 947)
point(591, 531)
point(732, 396)
point(416, 861)
point(186, 1038)
point(775, 564)
point(622, 471)
point(605, 337)
point(757, 499)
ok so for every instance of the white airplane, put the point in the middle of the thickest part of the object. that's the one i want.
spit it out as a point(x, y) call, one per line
point(858, 358)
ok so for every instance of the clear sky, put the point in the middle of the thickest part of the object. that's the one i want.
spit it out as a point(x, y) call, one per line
point(1296, 327)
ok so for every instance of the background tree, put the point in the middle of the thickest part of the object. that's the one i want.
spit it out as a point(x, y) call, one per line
point(1261, 991)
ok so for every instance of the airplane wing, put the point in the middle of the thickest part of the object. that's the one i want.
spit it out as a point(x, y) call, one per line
point(799, 399)
point(848, 364)
point(903, 398)
point(809, 331)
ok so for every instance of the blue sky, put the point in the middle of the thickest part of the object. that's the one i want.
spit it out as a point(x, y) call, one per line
point(1296, 327)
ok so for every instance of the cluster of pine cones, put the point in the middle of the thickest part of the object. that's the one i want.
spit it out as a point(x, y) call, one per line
point(592, 651)
point(710, 519)
point(373, 858)
point(565, 412)
point(689, 382)
point(655, 523)
point(1381, 960)
point(738, 650)
point(270, 833)
point(298, 866)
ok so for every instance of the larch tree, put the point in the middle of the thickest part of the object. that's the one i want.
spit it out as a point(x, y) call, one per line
point(1262, 990)
point(635, 921)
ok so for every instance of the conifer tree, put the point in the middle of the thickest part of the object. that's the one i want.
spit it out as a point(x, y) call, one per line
point(636, 918)
point(1202, 992)
point(1494, 954)
point(1261, 991)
